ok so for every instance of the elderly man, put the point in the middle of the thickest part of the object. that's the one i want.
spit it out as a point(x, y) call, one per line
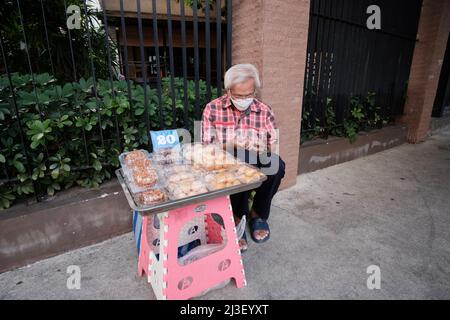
point(240, 121)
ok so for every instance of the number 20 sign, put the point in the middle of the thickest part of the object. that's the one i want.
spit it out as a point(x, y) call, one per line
point(164, 139)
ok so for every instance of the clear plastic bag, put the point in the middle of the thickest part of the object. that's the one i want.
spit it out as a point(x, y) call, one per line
point(205, 250)
point(200, 252)
point(240, 228)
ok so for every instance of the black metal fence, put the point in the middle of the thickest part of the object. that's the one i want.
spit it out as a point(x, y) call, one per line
point(47, 146)
point(346, 60)
point(441, 104)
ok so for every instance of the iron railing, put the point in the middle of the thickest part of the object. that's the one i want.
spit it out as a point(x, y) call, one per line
point(345, 58)
point(119, 66)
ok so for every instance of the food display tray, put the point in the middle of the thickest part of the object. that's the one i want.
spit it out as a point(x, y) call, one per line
point(173, 204)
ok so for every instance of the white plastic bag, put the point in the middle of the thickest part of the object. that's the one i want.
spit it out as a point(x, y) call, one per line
point(199, 252)
point(240, 228)
point(207, 249)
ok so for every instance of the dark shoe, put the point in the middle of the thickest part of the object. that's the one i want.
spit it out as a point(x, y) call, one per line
point(258, 224)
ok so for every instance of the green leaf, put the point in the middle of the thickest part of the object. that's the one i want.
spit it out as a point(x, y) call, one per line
point(55, 173)
point(2, 158)
point(97, 165)
point(138, 112)
point(22, 177)
point(91, 105)
point(35, 144)
point(19, 166)
point(38, 136)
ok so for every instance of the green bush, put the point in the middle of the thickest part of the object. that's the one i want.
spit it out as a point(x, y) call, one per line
point(57, 120)
point(363, 115)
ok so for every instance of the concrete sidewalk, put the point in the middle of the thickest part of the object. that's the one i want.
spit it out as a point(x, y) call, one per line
point(391, 209)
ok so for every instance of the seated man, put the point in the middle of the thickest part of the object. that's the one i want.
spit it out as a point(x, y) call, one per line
point(240, 122)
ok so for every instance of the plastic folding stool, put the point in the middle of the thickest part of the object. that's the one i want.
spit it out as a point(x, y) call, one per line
point(209, 222)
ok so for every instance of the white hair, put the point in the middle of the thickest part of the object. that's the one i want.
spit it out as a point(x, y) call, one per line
point(240, 73)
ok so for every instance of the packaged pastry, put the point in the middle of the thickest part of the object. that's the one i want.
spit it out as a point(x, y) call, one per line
point(189, 150)
point(141, 164)
point(182, 176)
point(186, 188)
point(167, 156)
point(247, 174)
point(170, 170)
point(208, 157)
point(221, 180)
point(145, 178)
point(152, 196)
point(136, 158)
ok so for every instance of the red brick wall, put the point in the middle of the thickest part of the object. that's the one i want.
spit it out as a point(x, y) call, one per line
point(273, 35)
point(434, 27)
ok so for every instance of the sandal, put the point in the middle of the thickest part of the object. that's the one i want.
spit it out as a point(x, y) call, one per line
point(257, 224)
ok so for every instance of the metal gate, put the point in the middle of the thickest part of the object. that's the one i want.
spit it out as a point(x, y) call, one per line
point(345, 59)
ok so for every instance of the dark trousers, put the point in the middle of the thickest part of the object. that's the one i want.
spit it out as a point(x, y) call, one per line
point(271, 165)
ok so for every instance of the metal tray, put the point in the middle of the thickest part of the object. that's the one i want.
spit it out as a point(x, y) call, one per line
point(173, 204)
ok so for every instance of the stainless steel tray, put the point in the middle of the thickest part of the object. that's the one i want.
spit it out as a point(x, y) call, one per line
point(173, 204)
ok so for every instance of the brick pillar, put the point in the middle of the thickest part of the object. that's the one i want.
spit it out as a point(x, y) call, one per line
point(273, 35)
point(434, 26)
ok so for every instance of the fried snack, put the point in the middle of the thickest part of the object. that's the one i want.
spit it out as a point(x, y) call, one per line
point(145, 178)
point(152, 197)
point(185, 176)
point(141, 164)
point(134, 156)
point(247, 174)
point(180, 169)
point(208, 157)
point(186, 189)
point(221, 180)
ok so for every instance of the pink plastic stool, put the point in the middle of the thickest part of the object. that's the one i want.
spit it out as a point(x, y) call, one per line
point(178, 227)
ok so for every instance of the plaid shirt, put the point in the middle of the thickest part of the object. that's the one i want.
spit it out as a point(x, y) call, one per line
point(252, 129)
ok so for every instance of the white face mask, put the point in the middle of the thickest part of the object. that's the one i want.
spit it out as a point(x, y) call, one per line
point(242, 104)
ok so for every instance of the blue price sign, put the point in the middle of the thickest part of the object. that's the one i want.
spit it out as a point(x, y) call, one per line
point(164, 139)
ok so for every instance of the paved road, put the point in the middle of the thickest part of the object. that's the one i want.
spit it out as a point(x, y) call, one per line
point(390, 209)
